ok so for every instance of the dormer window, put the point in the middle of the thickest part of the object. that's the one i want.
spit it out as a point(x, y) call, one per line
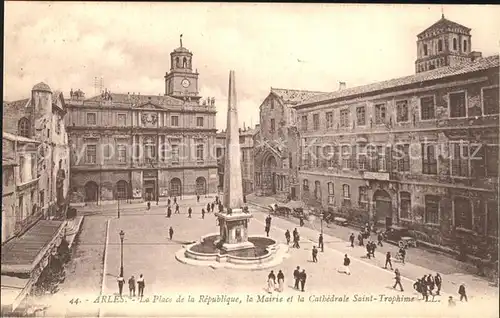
point(24, 127)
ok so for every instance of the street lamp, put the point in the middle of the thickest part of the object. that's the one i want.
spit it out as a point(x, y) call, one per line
point(122, 236)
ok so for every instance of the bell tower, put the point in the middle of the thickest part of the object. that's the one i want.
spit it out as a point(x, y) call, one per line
point(181, 82)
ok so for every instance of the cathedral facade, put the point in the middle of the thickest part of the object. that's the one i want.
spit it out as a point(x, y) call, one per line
point(144, 147)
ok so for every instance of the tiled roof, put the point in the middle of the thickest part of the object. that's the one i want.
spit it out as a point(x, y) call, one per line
point(41, 87)
point(13, 137)
point(294, 96)
point(440, 73)
point(138, 99)
point(444, 23)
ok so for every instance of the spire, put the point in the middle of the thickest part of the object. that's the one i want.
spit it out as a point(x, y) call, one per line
point(233, 195)
point(180, 40)
point(442, 12)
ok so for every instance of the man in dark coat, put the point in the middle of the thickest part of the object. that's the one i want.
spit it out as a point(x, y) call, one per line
point(462, 292)
point(320, 242)
point(177, 209)
point(303, 277)
point(380, 238)
point(388, 260)
point(169, 212)
point(351, 239)
point(171, 233)
point(212, 206)
point(368, 250)
point(287, 237)
point(315, 254)
point(131, 286)
point(197, 198)
point(438, 281)
point(398, 279)
point(203, 213)
point(296, 277)
point(208, 207)
point(189, 212)
point(267, 229)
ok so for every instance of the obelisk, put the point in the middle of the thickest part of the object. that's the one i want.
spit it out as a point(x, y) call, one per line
point(233, 188)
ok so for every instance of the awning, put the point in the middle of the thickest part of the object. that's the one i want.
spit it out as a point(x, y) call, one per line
point(23, 254)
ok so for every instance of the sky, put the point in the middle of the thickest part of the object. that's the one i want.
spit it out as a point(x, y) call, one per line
point(294, 46)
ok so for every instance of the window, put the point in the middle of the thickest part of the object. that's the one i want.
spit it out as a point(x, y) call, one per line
point(331, 193)
point(402, 111)
point(90, 155)
point(304, 123)
point(344, 118)
point(329, 119)
point(454, 44)
point(381, 159)
point(425, 49)
point(380, 114)
point(457, 104)
point(58, 126)
point(405, 205)
point(440, 45)
point(346, 191)
point(363, 198)
point(305, 185)
point(492, 218)
point(122, 153)
point(427, 108)
point(315, 121)
point(199, 122)
point(460, 159)
point(491, 103)
point(272, 126)
point(431, 209)
point(175, 154)
point(491, 155)
point(329, 155)
point(24, 127)
point(317, 156)
point(200, 151)
point(402, 158)
point(360, 116)
point(91, 119)
point(272, 103)
point(317, 190)
point(429, 159)
point(149, 148)
point(465, 45)
point(122, 120)
point(174, 121)
point(346, 157)
point(361, 158)
point(121, 190)
point(462, 213)
point(218, 152)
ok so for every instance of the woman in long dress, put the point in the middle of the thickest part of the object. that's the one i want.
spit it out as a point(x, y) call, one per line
point(271, 282)
point(281, 281)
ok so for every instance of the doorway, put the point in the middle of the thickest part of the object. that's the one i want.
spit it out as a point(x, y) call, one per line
point(383, 208)
point(149, 190)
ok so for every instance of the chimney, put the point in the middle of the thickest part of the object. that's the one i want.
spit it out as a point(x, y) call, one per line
point(474, 55)
point(342, 85)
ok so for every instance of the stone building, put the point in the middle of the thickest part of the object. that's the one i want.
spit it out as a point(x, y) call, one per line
point(276, 144)
point(419, 151)
point(41, 117)
point(143, 147)
point(247, 158)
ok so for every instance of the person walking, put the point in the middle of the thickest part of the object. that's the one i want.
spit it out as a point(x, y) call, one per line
point(398, 279)
point(208, 207)
point(388, 260)
point(287, 237)
point(177, 209)
point(198, 198)
point(281, 281)
point(140, 286)
point(169, 212)
point(351, 239)
point(438, 281)
point(462, 292)
point(315, 254)
point(267, 229)
point(373, 247)
point(149, 205)
point(360, 239)
point(368, 250)
point(301, 221)
point(171, 233)
point(175, 200)
point(296, 241)
point(402, 252)
point(131, 286)
point(121, 282)
point(320, 242)
point(347, 262)
point(203, 213)
point(303, 278)
point(212, 206)
point(168, 201)
point(189, 212)
point(296, 277)
point(271, 282)
point(380, 238)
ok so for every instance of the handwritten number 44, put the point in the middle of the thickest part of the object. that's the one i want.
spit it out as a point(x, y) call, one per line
point(75, 301)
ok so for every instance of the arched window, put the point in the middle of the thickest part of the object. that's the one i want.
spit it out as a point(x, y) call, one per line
point(24, 127)
point(404, 205)
point(317, 190)
point(455, 44)
point(346, 193)
point(331, 193)
point(440, 45)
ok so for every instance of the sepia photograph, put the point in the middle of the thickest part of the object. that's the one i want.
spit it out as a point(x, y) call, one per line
point(209, 159)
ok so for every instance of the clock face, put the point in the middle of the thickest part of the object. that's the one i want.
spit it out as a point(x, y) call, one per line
point(185, 83)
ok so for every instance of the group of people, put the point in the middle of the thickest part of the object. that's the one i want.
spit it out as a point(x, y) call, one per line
point(426, 285)
point(271, 282)
point(132, 282)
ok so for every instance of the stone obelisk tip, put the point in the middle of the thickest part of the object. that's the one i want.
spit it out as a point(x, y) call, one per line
point(233, 189)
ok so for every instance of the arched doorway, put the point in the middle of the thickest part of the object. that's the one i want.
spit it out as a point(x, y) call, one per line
point(121, 190)
point(383, 207)
point(201, 186)
point(175, 187)
point(91, 191)
point(270, 167)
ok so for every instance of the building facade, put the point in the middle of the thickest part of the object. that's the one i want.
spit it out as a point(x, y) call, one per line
point(419, 151)
point(276, 144)
point(143, 147)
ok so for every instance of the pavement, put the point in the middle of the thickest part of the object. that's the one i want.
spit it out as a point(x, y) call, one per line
point(176, 289)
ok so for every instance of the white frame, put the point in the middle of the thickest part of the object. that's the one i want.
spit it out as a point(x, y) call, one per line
point(364, 107)
point(87, 118)
point(202, 121)
point(384, 122)
point(326, 119)
point(172, 122)
point(482, 100)
point(438, 210)
point(420, 107)
point(466, 104)
point(86, 150)
point(450, 150)
point(422, 156)
point(407, 109)
point(348, 116)
point(331, 196)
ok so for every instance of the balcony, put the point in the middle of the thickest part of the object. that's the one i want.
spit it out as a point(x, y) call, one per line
point(376, 175)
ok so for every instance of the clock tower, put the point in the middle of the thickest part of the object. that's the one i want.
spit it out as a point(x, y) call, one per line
point(181, 82)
